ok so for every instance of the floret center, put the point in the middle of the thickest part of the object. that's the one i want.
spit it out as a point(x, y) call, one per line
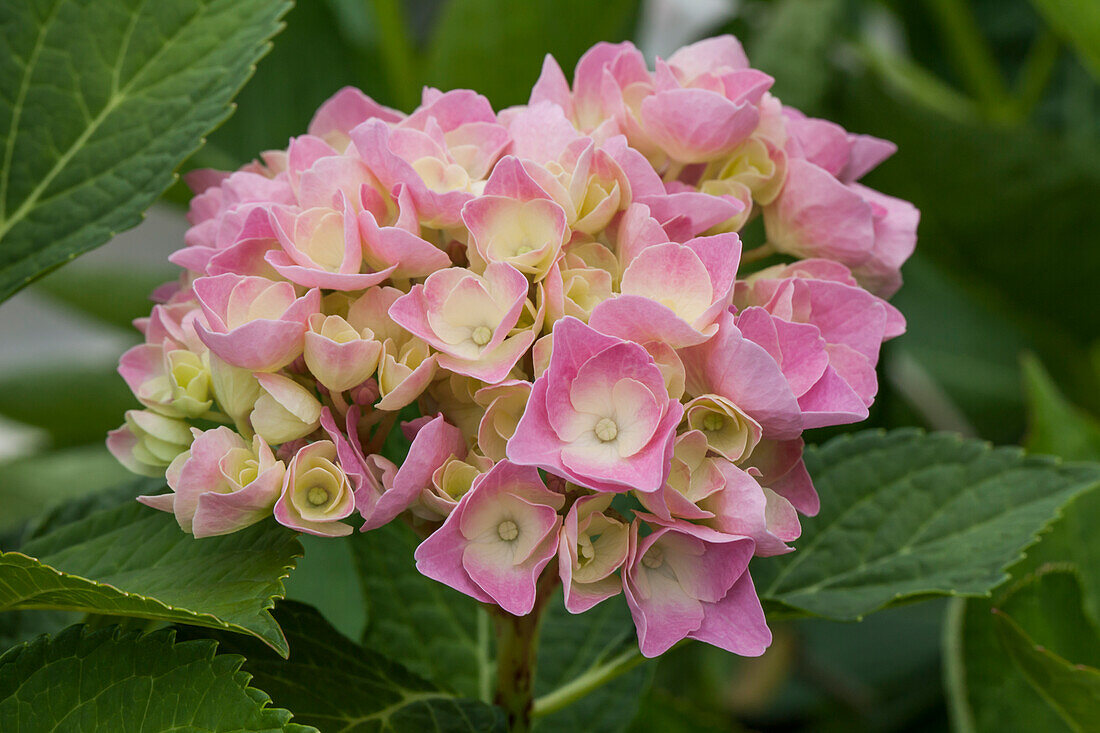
point(606, 430)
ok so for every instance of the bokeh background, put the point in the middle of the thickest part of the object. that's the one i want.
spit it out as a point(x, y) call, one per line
point(995, 107)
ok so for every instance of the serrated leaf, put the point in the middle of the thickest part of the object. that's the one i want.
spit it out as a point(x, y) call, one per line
point(434, 630)
point(131, 560)
point(99, 102)
point(1073, 690)
point(83, 680)
point(905, 514)
point(985, 692)
point(331, 682)
point(571, 644)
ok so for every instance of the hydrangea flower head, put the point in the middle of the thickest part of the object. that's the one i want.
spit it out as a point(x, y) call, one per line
point(603, 376)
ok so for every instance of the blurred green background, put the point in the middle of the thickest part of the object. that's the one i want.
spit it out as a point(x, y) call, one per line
point(995, 107)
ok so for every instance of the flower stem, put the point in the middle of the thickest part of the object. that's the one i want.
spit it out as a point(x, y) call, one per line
point(517, 647)
point(517, 642)
point(758, 253)
point(594, 678)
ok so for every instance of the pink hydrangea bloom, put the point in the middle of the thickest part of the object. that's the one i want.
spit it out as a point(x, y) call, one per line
point(685, 581)
point(600, 415)
point(497, 540)
point(556, 290)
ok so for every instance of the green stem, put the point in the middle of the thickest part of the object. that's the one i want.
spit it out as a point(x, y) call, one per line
point(1035, 73)
point(517, 647)
point(594, 678)
point(971, 55)
point(758, 253)
point(517, 642)
point(397, 52)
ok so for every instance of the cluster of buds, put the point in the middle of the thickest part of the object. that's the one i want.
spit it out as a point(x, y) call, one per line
point(600, 381)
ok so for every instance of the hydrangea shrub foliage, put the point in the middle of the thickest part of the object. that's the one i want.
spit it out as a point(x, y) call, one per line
point(599, 324)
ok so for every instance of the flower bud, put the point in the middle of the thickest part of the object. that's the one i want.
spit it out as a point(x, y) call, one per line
point(235, 390)
point(147, 443)
point(338, 355)
point(285, 410)
point(729, 431)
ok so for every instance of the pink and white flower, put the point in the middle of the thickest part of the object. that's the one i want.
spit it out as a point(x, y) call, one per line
point(685, 581)
point(469, 319)
point(498, 539)
point(252, 322)
point(600, 416)
point(221, 483)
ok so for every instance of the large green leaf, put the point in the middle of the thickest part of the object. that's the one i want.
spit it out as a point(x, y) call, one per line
point(905, 514)
point(126, 683)
point(99, 102)
point(1073, 690)
point(326, 579)
point(497, 46)
point(331, 682)
point(134, 561)
point(570, 645)
point(985, 691)
point(434, 630)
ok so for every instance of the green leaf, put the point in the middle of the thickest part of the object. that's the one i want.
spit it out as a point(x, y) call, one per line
point(1055, 426)
point(985, 692)
point(331, 682)
point(83, 680)
point(1078, 22)
point(434, 630)
point(326, 579)
point(497, 46)
point(904, 514)
point(99, 102)
point(1072, 690)
point(135, 561)
point(569, 645)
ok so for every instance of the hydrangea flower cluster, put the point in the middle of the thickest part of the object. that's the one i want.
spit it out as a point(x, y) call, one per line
point(611, 388)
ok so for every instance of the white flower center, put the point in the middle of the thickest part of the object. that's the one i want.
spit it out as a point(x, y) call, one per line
point(507, 530)
point(653, 559)
point(317, 496)
point(481, 335)
point(606, 430)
